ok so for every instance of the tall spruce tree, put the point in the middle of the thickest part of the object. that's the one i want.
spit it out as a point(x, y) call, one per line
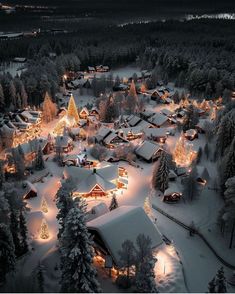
point(7, 252)
point(64, 203)
point(190, 185)
point(23, 233)
point(160, 175)
point(39, 161)
point(14, 227)
point(78, 273)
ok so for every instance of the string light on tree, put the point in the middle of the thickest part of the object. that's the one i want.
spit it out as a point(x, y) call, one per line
point(44, 232)
point(72, 109)
point(44, 207)
point(183, 154)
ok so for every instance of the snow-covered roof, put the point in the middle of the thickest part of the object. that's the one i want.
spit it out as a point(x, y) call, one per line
point(84, 109)
point(75, 131)
point(121, 224)
point(103, 132)
point(30, 187)
point(147, 149)
point(32, 146)
point(156, 132)
point(86, 179)
point(134, 130)
point(158, 119)
point(108, 139)
point(7, 132)
point(191, 133)
point(202, 172)
point(62, 141)
point(173, 187)
point(133, 120)
point(167, 112)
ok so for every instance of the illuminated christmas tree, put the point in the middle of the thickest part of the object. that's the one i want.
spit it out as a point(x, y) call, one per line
point(44, 207)
point(44, 232)
point(183, 154)
point(72, 109)
point(49, 109)
point(59, 128)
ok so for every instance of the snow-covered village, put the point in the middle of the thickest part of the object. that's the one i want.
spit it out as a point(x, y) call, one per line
point(117, 169)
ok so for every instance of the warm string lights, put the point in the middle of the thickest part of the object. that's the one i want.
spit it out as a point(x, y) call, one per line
point(44, 231)
point(183, 154)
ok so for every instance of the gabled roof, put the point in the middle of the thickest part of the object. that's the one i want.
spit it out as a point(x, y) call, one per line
point(156, 132)
point(62, 141)
point(121, 224)
point(158, 119)
point(166, 112)
point(84, 109)
point(108, 139)
point(202, 172)
point(147, 150)
point(133, 120)
point(173, 188)
point(86, 179)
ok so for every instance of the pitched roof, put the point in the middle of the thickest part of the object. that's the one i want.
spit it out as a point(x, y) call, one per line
point(147, 149)
point(86, 179)
point(127, 222)
point(173, 188)
point(158, 119)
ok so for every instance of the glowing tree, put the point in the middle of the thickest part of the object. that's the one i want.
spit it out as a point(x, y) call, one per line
point(49, 109)
point(72, 109)
point(44, 207)
point(183, 154)
point(44, 232)
point(132, 99)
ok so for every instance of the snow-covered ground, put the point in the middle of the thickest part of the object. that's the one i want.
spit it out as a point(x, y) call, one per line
point(189, 270)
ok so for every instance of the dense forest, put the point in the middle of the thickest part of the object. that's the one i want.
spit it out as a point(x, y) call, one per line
point(197, 54)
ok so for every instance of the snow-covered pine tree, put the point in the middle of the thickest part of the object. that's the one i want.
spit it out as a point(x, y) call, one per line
point(221, 281)
point(23, 234)
point(111, 110)
point(228, 164)
point(160, 175)
point(190, 185)
point(114, 203)
point(39, 161)
point(191, 118)
point(40, 277)
point(7, 255)
point(211, 286)
point(64, 203)
point(229, 208)
point(4, 208)
point(14, 227)
point(2, 174)
point(145, 276)
point(226, 132)
point(77, 272)
point(127, 256)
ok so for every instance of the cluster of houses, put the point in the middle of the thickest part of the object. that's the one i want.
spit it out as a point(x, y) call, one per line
point(19, 127)
point(98, 68)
